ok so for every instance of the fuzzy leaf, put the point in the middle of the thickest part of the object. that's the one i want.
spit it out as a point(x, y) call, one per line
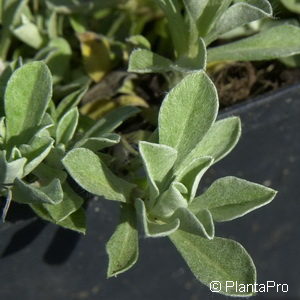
point(216, 260)
point(230, 197)
point(92, 174)
point(195, 7)
point(26, 193)
point(158, 161)
point(71, 202)
point(192, 173)
point(76, 221)
point(270, 44)
point(27, 95)
point(170, 200)
point(36, 152)
point(111, 121)
point(187, 113)
point(151, 228)
point(198, 224)
point(239, 14)
point(11, 170)
point(29, 34)
point(66, 126)
point(146, 61)
point(219, 140)
point(123, 248)
point(70, 101)
point(99, 143)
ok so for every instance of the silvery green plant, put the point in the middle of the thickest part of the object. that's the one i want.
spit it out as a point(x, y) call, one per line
point(187, 142)
point(194, 25)
point(35, 135)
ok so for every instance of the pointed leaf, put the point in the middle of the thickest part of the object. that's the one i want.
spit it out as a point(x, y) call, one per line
point(151, 228)
point(36, 152)
point(98, 143)
point(66, 126)
point(146, 61)
point(26, 193)
point(122, 248)
point(240, 14)
point(200, 224)
point(187, 113)
point(230, 197)
point(170, 200)
point(27, 95)
point(219, 260)
point(269, 44)
point(192, 173)
point(10, 170)
point(92, 174)
point(158, 161)
point(219, 140)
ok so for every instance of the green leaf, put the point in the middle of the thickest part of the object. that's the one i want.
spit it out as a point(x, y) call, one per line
point(239, 14)
point(219, 260)
point(219, 140)
point(230, 197)
point(198, 224)
point(29, 34)
point(187, 113)
point(111, 121)
point(170, 200)
point(270, 44)
point(151, 228)
point(292, 5)
point(92, 174)
point(66, 126)
point(195, 7)
point(146, 61)
point(123, 248)
point(26, 193)
point(36, 152)
point(27, 95)
point(10, 170)
point(192, 173)
point(76, 221)
point(70, 101)
point(158, 161)
point(71, 202)
point(99, 143)
point(59, 59)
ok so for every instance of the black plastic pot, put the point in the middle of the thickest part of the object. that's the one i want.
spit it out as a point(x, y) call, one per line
point(41, 261)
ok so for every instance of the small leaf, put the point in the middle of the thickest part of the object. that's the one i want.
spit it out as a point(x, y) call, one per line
point(146, 61)
point(71, 202)
point(110, 121)
point(26, 193)
point(98, 143)
point(151, 228)
point(123, 248)
point(230, 197)
point(10, 170)
point(170, 200)
point(27, 95)
point(76, 221)
point(218, 141)
point(66, 126)
point(36, 152)
point(70, 101)
point(239, 14)
point(29, 34)
point(158, 161)
point(192, 173)
point(198, 224)
point(187, 113)
point(219, 260)
point(92, 174)
point(269, 44)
